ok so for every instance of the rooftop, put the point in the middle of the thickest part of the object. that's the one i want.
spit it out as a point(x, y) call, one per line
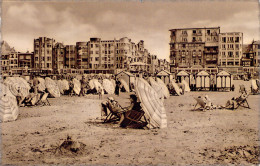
point(194, 28)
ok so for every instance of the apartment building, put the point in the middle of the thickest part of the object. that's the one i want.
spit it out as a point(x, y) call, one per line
point(70, 57)
point(25, 60)
point(43, 49)
point(58, 57)
point(230, 49)
point(13, 60)
point(191, 47)
point(82, 51)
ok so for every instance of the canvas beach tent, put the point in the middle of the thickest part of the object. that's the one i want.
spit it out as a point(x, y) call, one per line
point(76, 86)
point(165, 90)
point(108, 86)
point(151, 104)
point(8, 105)
point(203, 80)
point(156, 87)
point(52, 87)
point(183, 75)
point(224, 80)
point(17, 86)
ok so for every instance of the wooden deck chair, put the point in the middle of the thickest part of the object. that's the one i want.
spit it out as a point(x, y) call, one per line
point(116, 110)
point(242, 102)
point(132, 119)
point(44, 100)
point(201, 103)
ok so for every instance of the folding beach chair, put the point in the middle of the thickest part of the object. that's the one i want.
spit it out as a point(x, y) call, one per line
point(242, 101)
point(132, 119)
point(44, 100)
point(116, 110)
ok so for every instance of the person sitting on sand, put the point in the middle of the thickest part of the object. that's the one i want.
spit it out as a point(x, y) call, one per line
point(134, 104)
point(233, 103)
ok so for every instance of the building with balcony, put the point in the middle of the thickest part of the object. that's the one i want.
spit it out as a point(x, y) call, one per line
point(70, 60)
point(43, 49)
point(230, 52)
point(25, 60)
point(82, 51)
point(194, 46)
point(58, 57)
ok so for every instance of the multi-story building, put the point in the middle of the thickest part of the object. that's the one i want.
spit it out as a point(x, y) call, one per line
point(25, 60)
point(191, 47)
point(250, 59)
point(58, 57)
point(230, 49)
point(43, 50)
point(13, 60)
point(70, 57)
point(4, 64)
point(82, 51)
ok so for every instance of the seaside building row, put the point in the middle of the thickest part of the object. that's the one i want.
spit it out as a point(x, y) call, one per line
point(197, 49)
point(94, 56)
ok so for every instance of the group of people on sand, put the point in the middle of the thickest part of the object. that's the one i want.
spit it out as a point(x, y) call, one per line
point(232, 104)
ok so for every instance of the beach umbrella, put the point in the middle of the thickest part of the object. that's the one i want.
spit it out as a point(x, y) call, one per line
point(52, 87)
point(8, 105)
point(165, 90)
point(125, 85)
point(187, 88)
point(108, 86)
point(76, 86)
point(151, 104)
point(63, 85)
point(41, 86)
point(156, 87)
point(18, 86)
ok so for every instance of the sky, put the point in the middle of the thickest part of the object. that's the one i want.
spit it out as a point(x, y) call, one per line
point(73, 21)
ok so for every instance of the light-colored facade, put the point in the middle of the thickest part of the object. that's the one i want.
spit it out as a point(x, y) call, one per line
point(194, 46)
point(43, 48)
point(230, 49)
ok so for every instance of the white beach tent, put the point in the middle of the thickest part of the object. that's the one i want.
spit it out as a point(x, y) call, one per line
point(153, 107)
point(8, 105)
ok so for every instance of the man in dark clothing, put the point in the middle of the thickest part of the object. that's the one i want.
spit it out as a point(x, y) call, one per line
point(117, 89)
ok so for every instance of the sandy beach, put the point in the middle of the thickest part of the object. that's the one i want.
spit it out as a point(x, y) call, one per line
point(216, 136)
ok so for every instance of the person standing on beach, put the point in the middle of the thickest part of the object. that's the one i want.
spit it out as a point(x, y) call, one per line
point(117, 89)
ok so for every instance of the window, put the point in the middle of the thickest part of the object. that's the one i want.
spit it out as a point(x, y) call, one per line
point(193, 39)
point(224, 39)
point(230, 54)
point(97, 52)
point(97, 45)
point(96, 59)
point(237, 39)
point(91, 45)
point(208, 32)
point(237, 54)
point(194, 31)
